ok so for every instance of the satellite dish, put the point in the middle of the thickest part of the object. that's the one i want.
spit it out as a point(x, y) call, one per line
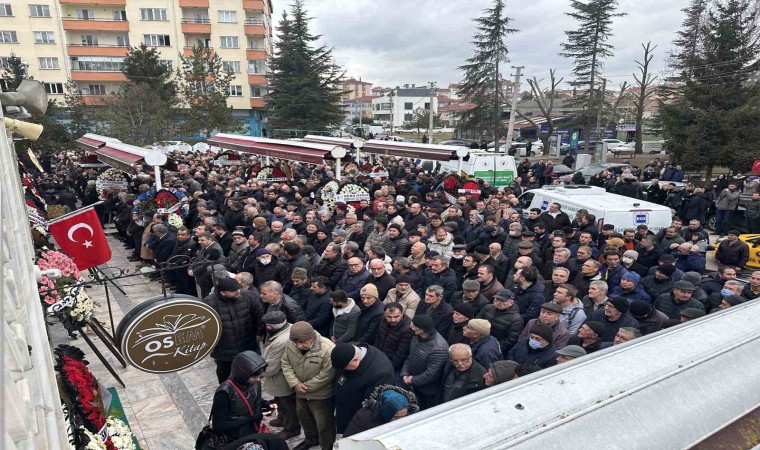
point(155, 159)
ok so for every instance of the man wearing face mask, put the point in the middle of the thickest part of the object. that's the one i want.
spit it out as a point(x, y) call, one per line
point(537, 348)
point(268, 268)
point(629, 262)
point(513, 239)
point(241, 315)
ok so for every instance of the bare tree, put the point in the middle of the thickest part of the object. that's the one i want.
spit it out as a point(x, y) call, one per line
point(644, 81)
point(544, 98)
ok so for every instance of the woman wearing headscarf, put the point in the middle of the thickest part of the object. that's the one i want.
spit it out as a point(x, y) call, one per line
point(385, 404)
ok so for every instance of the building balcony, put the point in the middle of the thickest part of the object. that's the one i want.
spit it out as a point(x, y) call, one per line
point(95, 2)
point(196, 26)
point(188, 51)
point(92, 75)
point(255, 53)
point(257, 79)
point(254, 28)
point(257, 102)
point(94, 100)
point(96, 50)
point(193, 3)
point(95, 25)
point(254, 4)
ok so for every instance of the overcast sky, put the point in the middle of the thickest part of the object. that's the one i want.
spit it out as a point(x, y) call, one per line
point(394, 42)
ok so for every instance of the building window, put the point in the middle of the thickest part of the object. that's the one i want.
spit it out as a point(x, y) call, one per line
point(85, 14)
point(258, 91)
point(97, 89)
point(229, 41)
point(44, 37)
point(156, 40)
point(407, 117)
point(409, 106)
point(120, 15)
point(231, 66)
point(48, 63)
point(98, 63)
point(89, 40)
point(122, 41)
point(6, 10)
point(153, 14)
point(228, 16)
point(8, 37)
point(39, 10)
point(236, 91)
point(53, 88)
point(258, 66)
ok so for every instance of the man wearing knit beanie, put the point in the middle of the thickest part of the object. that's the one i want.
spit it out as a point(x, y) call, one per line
point(462, 314)
point(537, 348)
point(360, 369)
point(485, 348)
point(423, 368)
point(307, 368)
point(500, 372)
point(273, 347)
point(614, 315)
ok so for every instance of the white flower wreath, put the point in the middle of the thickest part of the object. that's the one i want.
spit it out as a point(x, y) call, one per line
point(120, 433)
point(110, 175)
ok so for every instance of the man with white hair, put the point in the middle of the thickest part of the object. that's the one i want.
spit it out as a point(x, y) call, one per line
point(462, 375)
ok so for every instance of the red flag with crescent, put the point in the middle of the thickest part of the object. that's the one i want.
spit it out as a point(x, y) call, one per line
point(82, 238)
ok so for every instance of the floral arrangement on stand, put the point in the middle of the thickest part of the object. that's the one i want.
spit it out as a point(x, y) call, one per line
point(379, 173)
point(175, 220)
point(110, 178)
point(352, 170)
point(327, 193)
point(120, 434)
point(165, 201)
point(351, 195)
point(70, 304)
point(271, 174)
point(469, 187)
point(49, 288)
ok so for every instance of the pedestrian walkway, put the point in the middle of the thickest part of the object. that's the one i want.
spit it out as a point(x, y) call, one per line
point(166, 412)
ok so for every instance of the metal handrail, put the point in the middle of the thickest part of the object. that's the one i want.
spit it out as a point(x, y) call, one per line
point(95, 19)
point(204, 21)
point(253, 22)
point(97, 45)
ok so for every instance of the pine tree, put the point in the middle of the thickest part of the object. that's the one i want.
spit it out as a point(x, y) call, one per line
point(55, 136)
point(482, 81)
point(204, 87)
point(15, 73)
point(587, 46)
point(303, 86)
point(142, 111)
point(712, 117)
point(688, 43)
point(80, 122)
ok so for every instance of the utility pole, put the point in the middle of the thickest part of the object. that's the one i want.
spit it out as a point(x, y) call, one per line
point(391, 97)
point(515, 92)
point(601, 155)
point(430, 113)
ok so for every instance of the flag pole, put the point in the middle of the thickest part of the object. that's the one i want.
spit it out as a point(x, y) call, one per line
point(73, 213)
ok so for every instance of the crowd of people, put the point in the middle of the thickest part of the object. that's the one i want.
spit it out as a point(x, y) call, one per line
point(354, 317)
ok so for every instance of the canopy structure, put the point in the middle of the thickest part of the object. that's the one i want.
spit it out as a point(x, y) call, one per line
point(342, 142)
point(538, 120)
point(413, 150)
point(289, 150)
point(115, 153)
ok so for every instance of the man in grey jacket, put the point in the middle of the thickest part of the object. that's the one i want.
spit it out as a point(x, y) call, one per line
point(277, 337)
point(423, 368)
point(345, 317)
point(727, 201)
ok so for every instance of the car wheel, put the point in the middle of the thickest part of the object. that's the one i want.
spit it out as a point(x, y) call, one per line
point(710, 224)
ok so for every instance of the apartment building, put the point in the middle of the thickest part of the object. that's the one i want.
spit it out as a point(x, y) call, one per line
point(398, 105)
point(353, 88)
point(86, 41)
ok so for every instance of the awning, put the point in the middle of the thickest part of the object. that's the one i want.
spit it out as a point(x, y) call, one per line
point(118, 159)
point(412, 150)
point(288, 150)
point(538, 120)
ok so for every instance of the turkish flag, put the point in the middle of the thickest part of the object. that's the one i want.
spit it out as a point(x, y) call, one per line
point(82, 238)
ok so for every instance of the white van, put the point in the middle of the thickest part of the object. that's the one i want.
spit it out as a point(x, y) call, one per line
point(499, 169)
point(623, 212)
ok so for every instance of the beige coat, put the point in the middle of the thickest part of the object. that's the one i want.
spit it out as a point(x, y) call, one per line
point(409, 301)
point(313, 369)
point(273, 348)
point(145, 252)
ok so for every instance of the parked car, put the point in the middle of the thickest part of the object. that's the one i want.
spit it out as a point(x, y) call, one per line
point(628, 149)
point(519, 148)
point(593, 169)
point(456, 142)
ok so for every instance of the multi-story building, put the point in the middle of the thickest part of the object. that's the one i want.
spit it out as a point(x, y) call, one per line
point(353, 88)
point(398, 105)
point(86, 41)
point(359, 107)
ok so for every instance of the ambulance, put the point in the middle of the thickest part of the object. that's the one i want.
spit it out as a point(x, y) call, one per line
point(623, 212)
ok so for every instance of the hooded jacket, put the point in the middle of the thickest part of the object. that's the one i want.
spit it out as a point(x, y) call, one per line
point(375, 409)
point(344, 324)
point(229, 411)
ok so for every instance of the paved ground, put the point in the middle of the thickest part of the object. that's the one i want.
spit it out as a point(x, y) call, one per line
point(166, 412)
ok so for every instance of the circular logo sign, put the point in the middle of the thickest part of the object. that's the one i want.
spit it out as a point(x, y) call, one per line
point(167, 334)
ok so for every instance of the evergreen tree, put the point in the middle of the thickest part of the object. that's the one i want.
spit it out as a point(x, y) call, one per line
point(142, 111)
point(204, 87)
point(712, 118)
point(14, 74)
point(587, 46)
point(688, 41)
point(303, 86)
point(80, 122)
point(482, 81)
point(55, 136)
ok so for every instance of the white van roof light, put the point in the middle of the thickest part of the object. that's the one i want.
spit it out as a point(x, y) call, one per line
point(576, 189)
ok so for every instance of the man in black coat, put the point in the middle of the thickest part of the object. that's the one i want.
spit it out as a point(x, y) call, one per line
point(379, 277)
point(394, 334)
point(332, 266)
point(370, 315)
point(462, 375)
point(360, 369)
point(164, 246)
point(241, 315)
point(440, 311)
point(554, 218)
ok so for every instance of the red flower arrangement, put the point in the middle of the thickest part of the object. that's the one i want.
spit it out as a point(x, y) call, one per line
point(451, 184)
point(472, 188)
point(81, 387)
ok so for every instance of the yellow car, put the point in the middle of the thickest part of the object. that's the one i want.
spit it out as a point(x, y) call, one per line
point(753, 241)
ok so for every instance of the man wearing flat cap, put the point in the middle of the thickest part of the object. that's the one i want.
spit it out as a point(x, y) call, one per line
point(569, 353)
point(549, 315)
point(241, 314)
point(615, 315)
point(360, 369)
point(307, 367)
point(672, 303)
